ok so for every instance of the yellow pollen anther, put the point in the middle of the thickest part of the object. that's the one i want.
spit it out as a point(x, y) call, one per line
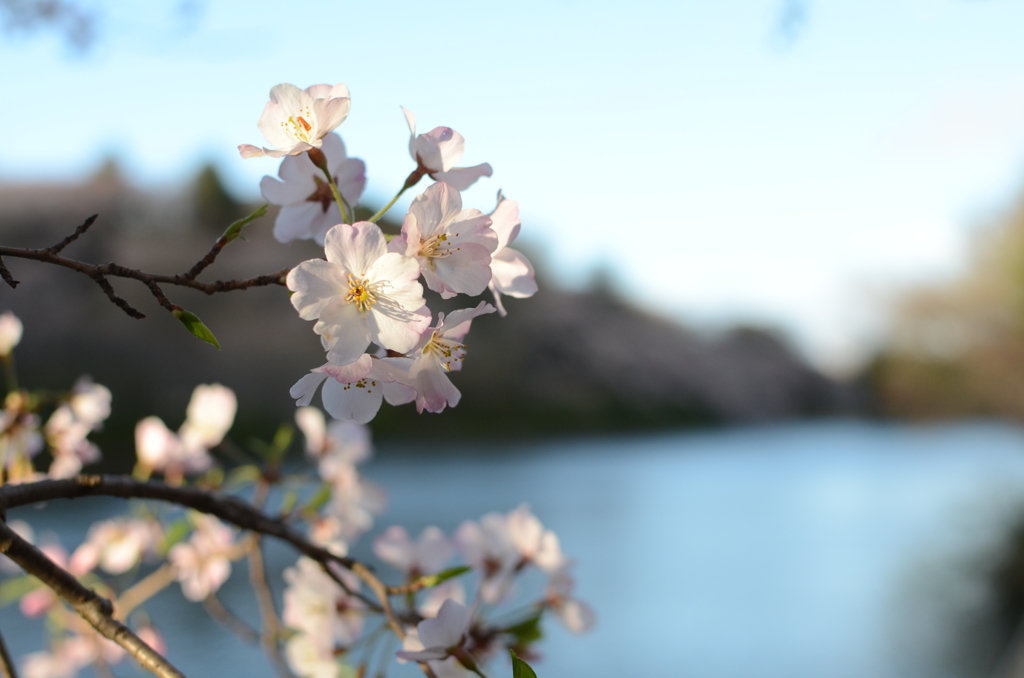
point(359, 292)
point(304, 123)
point(446, 351)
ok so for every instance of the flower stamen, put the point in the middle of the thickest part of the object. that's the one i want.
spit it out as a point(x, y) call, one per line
point(360, 292)
point(445, 350)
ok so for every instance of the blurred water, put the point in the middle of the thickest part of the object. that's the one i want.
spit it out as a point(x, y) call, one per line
point(778, 552)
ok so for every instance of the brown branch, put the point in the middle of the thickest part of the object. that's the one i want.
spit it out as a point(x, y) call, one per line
point(118, 300)
point(227, 508)
point(7, 669)
point(144, 589)
point(269, 622)
point(92, 608)
point(74, 236)
point(226, 618)
point(100, 272)
point(210, 257)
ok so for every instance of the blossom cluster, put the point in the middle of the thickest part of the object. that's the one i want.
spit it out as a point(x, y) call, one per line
point(366, 293)
point(73, 415)
point(381, 342)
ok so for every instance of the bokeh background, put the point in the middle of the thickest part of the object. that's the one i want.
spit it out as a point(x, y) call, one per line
point(770, 393)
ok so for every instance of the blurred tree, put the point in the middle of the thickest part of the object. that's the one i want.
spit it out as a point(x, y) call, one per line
point(215, 207)
point(77, 24)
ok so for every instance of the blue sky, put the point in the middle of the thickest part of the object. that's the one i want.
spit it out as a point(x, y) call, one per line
point(718, 173)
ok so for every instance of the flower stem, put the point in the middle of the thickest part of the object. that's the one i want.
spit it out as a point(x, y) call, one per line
point(337, 197)
point(410, 181)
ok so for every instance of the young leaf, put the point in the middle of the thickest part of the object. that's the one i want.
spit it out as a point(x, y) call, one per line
point(431, 580)
point(194, 325)
point(316, 502)
point(235, 229)
point(521, 669)
point(527, 631)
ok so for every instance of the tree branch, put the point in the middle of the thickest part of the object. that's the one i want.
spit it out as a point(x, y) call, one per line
point(91, 607)
point(74, 236)
point(227, 508)
point(7, 669)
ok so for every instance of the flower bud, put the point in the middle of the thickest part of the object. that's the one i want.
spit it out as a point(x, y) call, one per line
point(10, 333)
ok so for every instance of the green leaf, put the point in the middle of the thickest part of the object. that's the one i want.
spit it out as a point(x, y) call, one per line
point(235, 229)
point(13, 589)
point(431, 580)
point(527, 631)
point(177, 531)
point(521, 669)
point(194, 325)
point(281, 442)
point(288, 502)
point(322, 496)
point(243, 475)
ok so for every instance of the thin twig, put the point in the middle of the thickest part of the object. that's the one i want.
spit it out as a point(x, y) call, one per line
point(161, 298)
point(7, 669)
point(144, 589)
point(228, 620)
point(74, 236)
point(118, 300)
point(91, 607)
point(99, 271)
point(269, 622)
point(210, 257)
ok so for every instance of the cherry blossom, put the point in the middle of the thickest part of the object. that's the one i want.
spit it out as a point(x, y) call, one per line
point(306, 200)
point(427, 555)
point(576, 615)
point(361, 293)
point(309, 660)
point(71, 422)
point(511, 272)
point(316, 606)
point(209, 416)
point(438, 352)
point(351, 392)
point(116, 546)
point(10, 333)
point(441, 634)
point(296, 120)
point(452, 246)
point(340, 442)
point(436, 153)
point(203, 563)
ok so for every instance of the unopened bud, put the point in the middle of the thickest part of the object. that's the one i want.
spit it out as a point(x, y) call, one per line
point(319, 159)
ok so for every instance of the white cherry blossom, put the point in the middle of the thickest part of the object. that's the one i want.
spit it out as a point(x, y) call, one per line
point(71, 422)
point(116, 546)
point(576, 615)
point(296, 120)
point(203, 563)
point(442, 633)
point(315, 605)
point(452, 245)
point(436, 153)
point(10, 332)
point(427, 555)
point(439, 351)
point(307, 204)
point(511, 272)
point(351, 392)
point(361, 293)
point(209, 416)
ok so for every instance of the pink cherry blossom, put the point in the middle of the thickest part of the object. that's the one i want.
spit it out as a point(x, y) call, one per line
point(576, 615)
point(351, 392)
point(427, 555)
point(315, 605)
point(452, 246)
point(296, 120)
point(203, 563)
point(71, 422)
point(343, 442)
point(361, 293)
point(116, 546)
point(511, 272)
point(436, 153)
point(307, 203)
point(438, 352)
point(442, 633)
point(209, 416)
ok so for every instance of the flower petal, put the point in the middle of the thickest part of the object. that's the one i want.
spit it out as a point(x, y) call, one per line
point(316, 284)
point(462, 178)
